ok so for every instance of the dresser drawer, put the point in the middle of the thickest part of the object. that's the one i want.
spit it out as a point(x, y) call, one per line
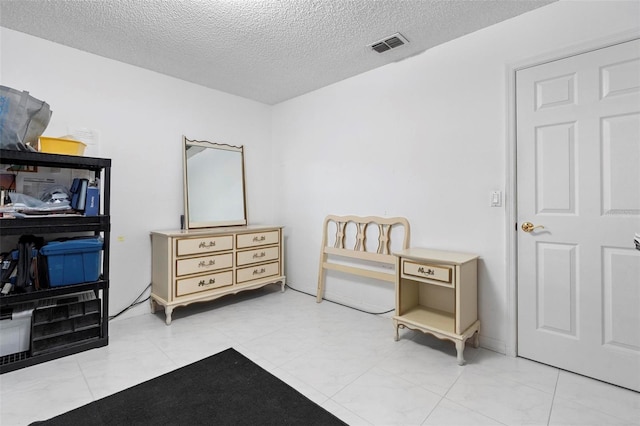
point(436, 274)
point(203, 245)
point(257, 255)
point(257, 272)
point(196, 265)
point(257, 239)
point(187, 286)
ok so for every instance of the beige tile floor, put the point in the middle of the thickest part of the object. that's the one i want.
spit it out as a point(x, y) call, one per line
point(344, 360)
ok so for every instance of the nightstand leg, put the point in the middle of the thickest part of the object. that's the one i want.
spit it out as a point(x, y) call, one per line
point(460, 350)
point(154, 306)
point(168, 310)
point(476, 340)
point(396, 326)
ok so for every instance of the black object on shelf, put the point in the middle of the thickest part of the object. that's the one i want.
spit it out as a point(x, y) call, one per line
point(64, 321)
point(74, 333)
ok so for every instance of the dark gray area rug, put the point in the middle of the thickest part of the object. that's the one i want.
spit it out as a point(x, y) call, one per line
point(223, 389)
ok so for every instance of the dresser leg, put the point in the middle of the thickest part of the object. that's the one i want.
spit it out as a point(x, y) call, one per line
point(396, 326)
point(154, 306)
point(476, 340)
point(460, 351)
point(168, 310)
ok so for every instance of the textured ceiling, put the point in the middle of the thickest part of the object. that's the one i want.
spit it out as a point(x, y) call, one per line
point(266, 50)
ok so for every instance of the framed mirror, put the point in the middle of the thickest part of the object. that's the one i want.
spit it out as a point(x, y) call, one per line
point(214, 192)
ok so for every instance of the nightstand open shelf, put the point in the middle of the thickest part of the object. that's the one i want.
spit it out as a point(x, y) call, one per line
point(419, 315)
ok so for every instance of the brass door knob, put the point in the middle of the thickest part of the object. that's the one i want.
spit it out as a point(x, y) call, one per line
point(528, 226)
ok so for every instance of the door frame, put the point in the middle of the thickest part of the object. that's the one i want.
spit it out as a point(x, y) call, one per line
point(511, 196)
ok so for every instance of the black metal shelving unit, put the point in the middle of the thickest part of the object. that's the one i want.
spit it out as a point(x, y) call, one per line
point(99, 225)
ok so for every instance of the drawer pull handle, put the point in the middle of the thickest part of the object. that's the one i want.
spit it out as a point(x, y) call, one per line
point(203, 283)
point(261, 238)
point(426, 271)
point(205, 245)
point(258, 272)
point(259, 255)
point(203, 264)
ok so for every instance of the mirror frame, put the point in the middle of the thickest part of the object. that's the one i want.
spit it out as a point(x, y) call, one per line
point(188, 223)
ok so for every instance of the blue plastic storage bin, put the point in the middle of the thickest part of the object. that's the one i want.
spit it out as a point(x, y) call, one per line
point(73, 261)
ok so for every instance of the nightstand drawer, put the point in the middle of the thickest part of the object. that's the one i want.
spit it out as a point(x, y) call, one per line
point(187, 246)
point(196, 265)
point(203, 283)
point(437, 274)
point(258, 239)
point(257, 255)
point(257, 272)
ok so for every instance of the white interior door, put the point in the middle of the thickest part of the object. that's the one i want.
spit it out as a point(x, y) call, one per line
point(578, 176)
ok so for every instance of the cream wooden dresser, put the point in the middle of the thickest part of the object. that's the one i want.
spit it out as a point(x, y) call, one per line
point(204, 264)
point(437, 293)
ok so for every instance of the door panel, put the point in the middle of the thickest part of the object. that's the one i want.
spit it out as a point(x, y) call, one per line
point(620, 310)
point(555, 185)
point(578, 181)
point(556, 264)
point(621, 78)
point(620, 164)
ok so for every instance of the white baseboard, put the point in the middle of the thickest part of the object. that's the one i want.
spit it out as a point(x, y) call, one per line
point(492, 344)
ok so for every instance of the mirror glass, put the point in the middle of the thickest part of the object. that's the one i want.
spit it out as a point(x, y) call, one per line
point(213, 184)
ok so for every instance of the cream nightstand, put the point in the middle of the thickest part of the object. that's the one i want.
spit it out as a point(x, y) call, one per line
point(437, 293)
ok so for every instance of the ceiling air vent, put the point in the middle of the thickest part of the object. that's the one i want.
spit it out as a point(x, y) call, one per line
point(388, 43)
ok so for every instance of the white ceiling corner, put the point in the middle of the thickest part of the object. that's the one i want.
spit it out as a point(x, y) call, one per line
point(265, 50)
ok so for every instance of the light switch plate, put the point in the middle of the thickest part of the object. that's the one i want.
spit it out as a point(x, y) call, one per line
point(496, 198)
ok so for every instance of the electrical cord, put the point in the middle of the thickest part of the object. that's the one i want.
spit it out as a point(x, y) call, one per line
point(136, 302)
point(341, 304)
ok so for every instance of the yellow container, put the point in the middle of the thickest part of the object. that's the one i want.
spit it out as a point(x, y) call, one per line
point(61, 146)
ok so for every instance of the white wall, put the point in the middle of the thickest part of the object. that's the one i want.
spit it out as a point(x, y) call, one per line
point(141, 117)
point(424, 138)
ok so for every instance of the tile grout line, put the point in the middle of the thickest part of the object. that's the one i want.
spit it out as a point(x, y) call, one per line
point(470, 409)
point(598, 409)
point(84, 377)
point(553, 398)
point(432, 410)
